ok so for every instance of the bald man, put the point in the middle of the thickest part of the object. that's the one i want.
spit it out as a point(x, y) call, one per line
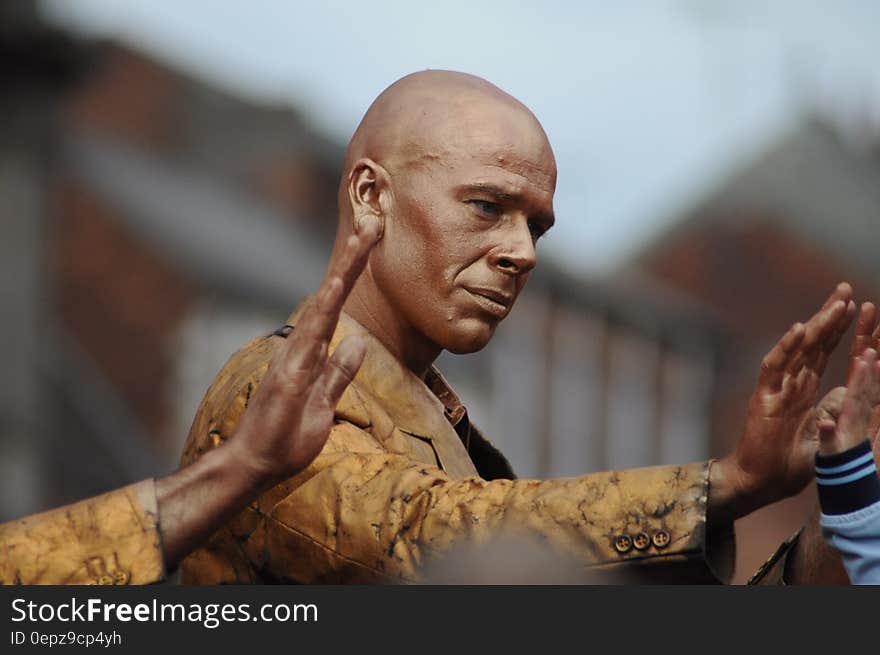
point(460, 177)
point(136, 534)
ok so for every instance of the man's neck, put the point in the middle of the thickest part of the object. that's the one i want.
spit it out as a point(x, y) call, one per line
point(371, 309)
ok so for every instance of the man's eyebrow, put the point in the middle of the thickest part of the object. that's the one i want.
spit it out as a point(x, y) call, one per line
point(497, 192)
point(504, 195)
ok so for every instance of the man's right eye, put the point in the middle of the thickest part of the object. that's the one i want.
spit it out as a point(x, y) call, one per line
point(486, 207)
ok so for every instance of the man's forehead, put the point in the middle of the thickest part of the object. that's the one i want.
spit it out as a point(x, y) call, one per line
point(515, 162)
point(507, 139)
point(511, 175)
point(444, 119)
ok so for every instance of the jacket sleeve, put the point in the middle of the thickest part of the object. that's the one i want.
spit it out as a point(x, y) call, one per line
point(365, 512)
point(361, 514)
point(109, 539)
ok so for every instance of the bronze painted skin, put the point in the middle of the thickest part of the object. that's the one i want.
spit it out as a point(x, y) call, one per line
point(130, 536)
point(460, 177)
point(405, 477)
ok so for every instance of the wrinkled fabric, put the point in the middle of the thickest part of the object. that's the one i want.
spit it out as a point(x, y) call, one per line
point(405, 478)
point(107, 540)
point(856, 535)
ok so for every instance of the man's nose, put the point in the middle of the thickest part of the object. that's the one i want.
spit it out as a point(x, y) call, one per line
point(515, 255)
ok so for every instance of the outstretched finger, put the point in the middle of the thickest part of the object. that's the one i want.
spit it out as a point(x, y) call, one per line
point(346, 268)
point(828, 334)
point(842, 326)
point(828, 324)
point(349, 265)
point(822, 326)
point(817, 358)
point(340, 369)
point(822, 334)
point(318, 321)
point(843, 291)
point(775, 363)
point(864, 337)
point(303, 350)
point(341, 274)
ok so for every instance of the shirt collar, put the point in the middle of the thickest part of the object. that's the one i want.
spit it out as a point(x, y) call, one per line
point(420, 407)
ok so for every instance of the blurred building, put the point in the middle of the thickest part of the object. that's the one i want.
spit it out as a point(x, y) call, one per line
point(168, 222)
point(762, 251)
point(36, 65)
point(153, 223)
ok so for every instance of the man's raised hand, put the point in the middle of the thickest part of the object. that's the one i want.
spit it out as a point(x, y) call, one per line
point(774, 457)
point(289, 418)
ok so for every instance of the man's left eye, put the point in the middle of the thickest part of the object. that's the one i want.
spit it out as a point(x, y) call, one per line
point(486, 207)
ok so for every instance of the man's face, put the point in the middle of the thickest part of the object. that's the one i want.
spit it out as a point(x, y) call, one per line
point(467, 215)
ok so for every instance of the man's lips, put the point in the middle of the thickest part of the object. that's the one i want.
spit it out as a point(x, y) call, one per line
point(492, 300)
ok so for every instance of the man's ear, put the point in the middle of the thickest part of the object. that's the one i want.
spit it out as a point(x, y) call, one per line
point(369, 194)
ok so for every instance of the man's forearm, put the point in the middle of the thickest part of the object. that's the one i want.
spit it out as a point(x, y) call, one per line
point(198, 499)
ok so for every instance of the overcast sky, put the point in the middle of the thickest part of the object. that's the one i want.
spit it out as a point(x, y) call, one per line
point(647, 104)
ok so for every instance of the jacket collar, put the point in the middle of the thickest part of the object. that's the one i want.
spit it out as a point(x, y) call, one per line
point(422, 408)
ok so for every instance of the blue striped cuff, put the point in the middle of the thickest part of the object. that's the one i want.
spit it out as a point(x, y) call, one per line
point(847, 481)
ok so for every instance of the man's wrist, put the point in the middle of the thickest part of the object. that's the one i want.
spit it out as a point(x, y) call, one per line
point(197, 499)
point(728, 498)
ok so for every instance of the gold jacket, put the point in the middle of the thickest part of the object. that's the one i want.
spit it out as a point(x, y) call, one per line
point(405, 477)
point(108, 540)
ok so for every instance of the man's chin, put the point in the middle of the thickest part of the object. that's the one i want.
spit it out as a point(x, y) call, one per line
point(471, 335)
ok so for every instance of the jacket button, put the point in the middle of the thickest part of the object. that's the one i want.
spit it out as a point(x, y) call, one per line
point(661, 539)
point(623, 544)
point(105, 579)
point(641, 541)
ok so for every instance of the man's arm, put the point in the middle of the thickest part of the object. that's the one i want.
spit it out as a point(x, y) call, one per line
point(285, 425)
point(364, 513)
point(135, 534)
point(361, 513)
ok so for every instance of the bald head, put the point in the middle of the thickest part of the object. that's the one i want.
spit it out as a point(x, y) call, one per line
point(460, 177)
point(434, 115)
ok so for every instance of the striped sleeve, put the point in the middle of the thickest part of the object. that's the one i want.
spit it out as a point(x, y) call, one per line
point(847, 481)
